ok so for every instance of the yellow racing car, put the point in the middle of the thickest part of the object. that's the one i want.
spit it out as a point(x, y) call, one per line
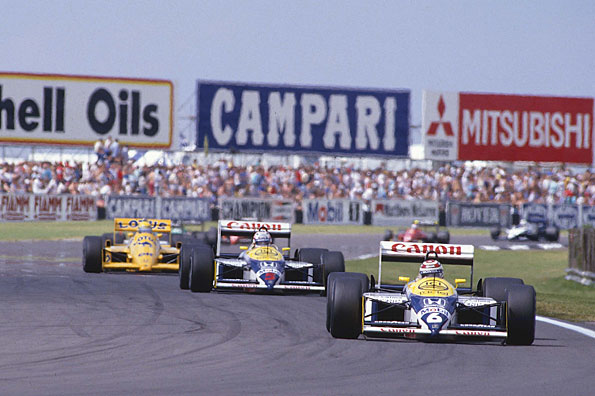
point(137, 245)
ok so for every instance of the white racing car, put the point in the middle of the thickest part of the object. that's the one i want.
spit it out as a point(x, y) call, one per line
point(260, 266)
point(430, 307)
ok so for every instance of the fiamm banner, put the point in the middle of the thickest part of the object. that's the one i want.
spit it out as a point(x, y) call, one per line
point(37, 207)
point(332, 211)
point(261, 209)
point(469, 126)
point(402, 213)
point(297, 119)
point(79, 110)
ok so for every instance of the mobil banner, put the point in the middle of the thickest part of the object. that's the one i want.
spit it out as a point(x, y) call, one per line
point(471, 126)
point(302, 119)
point(332, 211)
point(386, 212)
point(79, 110)
point(261, 209)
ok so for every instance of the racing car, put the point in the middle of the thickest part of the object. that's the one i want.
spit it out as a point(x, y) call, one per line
point(527, 230)
point(420, 231)
point(258, 267)
point(430, 308)
point(137, 245)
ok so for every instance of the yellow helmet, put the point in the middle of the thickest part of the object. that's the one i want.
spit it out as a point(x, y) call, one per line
point(145, 226)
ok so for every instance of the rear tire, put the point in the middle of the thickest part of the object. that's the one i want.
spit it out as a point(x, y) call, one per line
point(212, 236)
point(201, 270)
point(92, 250)
point(364, 283)
point(313, 256)
point(552, 234)
point(443, 237)
point(431, 237)
point(496, 287)
point(346, 308)
point(331, 262)
point(520, 312)
point(495, 233)
point(388, 235)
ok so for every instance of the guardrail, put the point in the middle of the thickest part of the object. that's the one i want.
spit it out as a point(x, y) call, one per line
point(581, 255)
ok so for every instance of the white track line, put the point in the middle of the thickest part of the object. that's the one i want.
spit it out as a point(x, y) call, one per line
point(578, 329)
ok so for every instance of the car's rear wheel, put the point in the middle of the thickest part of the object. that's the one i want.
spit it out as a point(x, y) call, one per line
point(92, 246)
point(388, 235)
point(201, 269)
point(331, 262)
point(496, 287)
point(346, 308)
point(364, 283)
point(443, 237)
point(520, 313)
point(431, 237)
point(495, 233)
point(552, 234)
point(313, 256)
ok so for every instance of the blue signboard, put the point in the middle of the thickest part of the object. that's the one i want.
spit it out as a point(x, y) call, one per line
point(283, 118)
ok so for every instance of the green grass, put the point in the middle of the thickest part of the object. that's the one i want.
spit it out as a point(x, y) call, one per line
point(60, 230)
point(556, 296)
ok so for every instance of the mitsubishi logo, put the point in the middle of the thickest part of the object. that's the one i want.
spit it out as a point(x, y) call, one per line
point(445, 124)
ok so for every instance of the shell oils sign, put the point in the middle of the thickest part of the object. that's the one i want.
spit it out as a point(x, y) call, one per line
point(79, 110)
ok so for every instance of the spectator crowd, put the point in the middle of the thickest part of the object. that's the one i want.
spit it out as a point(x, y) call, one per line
point(114, 173)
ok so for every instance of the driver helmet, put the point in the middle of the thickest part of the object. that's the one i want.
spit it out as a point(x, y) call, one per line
point(145, 226)
point(431, 267)
point(262, 238)
point(414, 225)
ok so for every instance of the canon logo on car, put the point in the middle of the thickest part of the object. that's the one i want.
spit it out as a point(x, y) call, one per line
point(425, 248)
point(234, 225)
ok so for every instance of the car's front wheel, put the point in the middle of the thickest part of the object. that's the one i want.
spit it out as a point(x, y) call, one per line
point(346, 308)
point(92, 246)
point(202, 267)
point(520, 313)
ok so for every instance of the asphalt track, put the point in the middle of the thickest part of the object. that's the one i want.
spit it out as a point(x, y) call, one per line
point(65, 332)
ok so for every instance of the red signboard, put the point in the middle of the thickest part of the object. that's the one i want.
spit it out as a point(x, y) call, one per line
point(525, 128)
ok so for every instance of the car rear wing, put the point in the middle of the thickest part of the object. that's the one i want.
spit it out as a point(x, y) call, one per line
point(247, 228)
point(131, 224)
point(416, 253)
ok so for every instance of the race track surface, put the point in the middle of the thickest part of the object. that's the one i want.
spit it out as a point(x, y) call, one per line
point(65, 332)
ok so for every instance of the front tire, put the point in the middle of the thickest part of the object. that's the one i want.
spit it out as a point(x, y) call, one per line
point(520, 312)
point(92, 249)
point(346, 308)
point(495, 233)
point(201, 270)
point(364, 284)
point(184, 268)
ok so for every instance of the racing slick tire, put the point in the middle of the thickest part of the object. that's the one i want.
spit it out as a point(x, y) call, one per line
point(211, 235)
point(520, 313)
point(431, 237)
point(331, 262)
point(184, 268)
point(313, 256)
point(532, 235)
point(552, 234)
point(92, 246)
point(388, 235)
point(496, 287)
point(365, 285)
point(443, 237)
point(346, 308)
point(202, 269)
point(495, 233)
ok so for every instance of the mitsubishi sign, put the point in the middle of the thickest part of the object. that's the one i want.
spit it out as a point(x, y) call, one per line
point(297, 119)
point(79, 110)
point(467, 126)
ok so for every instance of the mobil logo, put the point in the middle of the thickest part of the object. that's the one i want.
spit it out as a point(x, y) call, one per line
point(323, 211)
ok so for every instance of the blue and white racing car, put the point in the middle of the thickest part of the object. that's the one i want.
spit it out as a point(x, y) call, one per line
point(265, 267)
point(430, 307)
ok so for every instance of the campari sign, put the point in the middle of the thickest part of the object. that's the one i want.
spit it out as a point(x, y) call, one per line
point(468, 126)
